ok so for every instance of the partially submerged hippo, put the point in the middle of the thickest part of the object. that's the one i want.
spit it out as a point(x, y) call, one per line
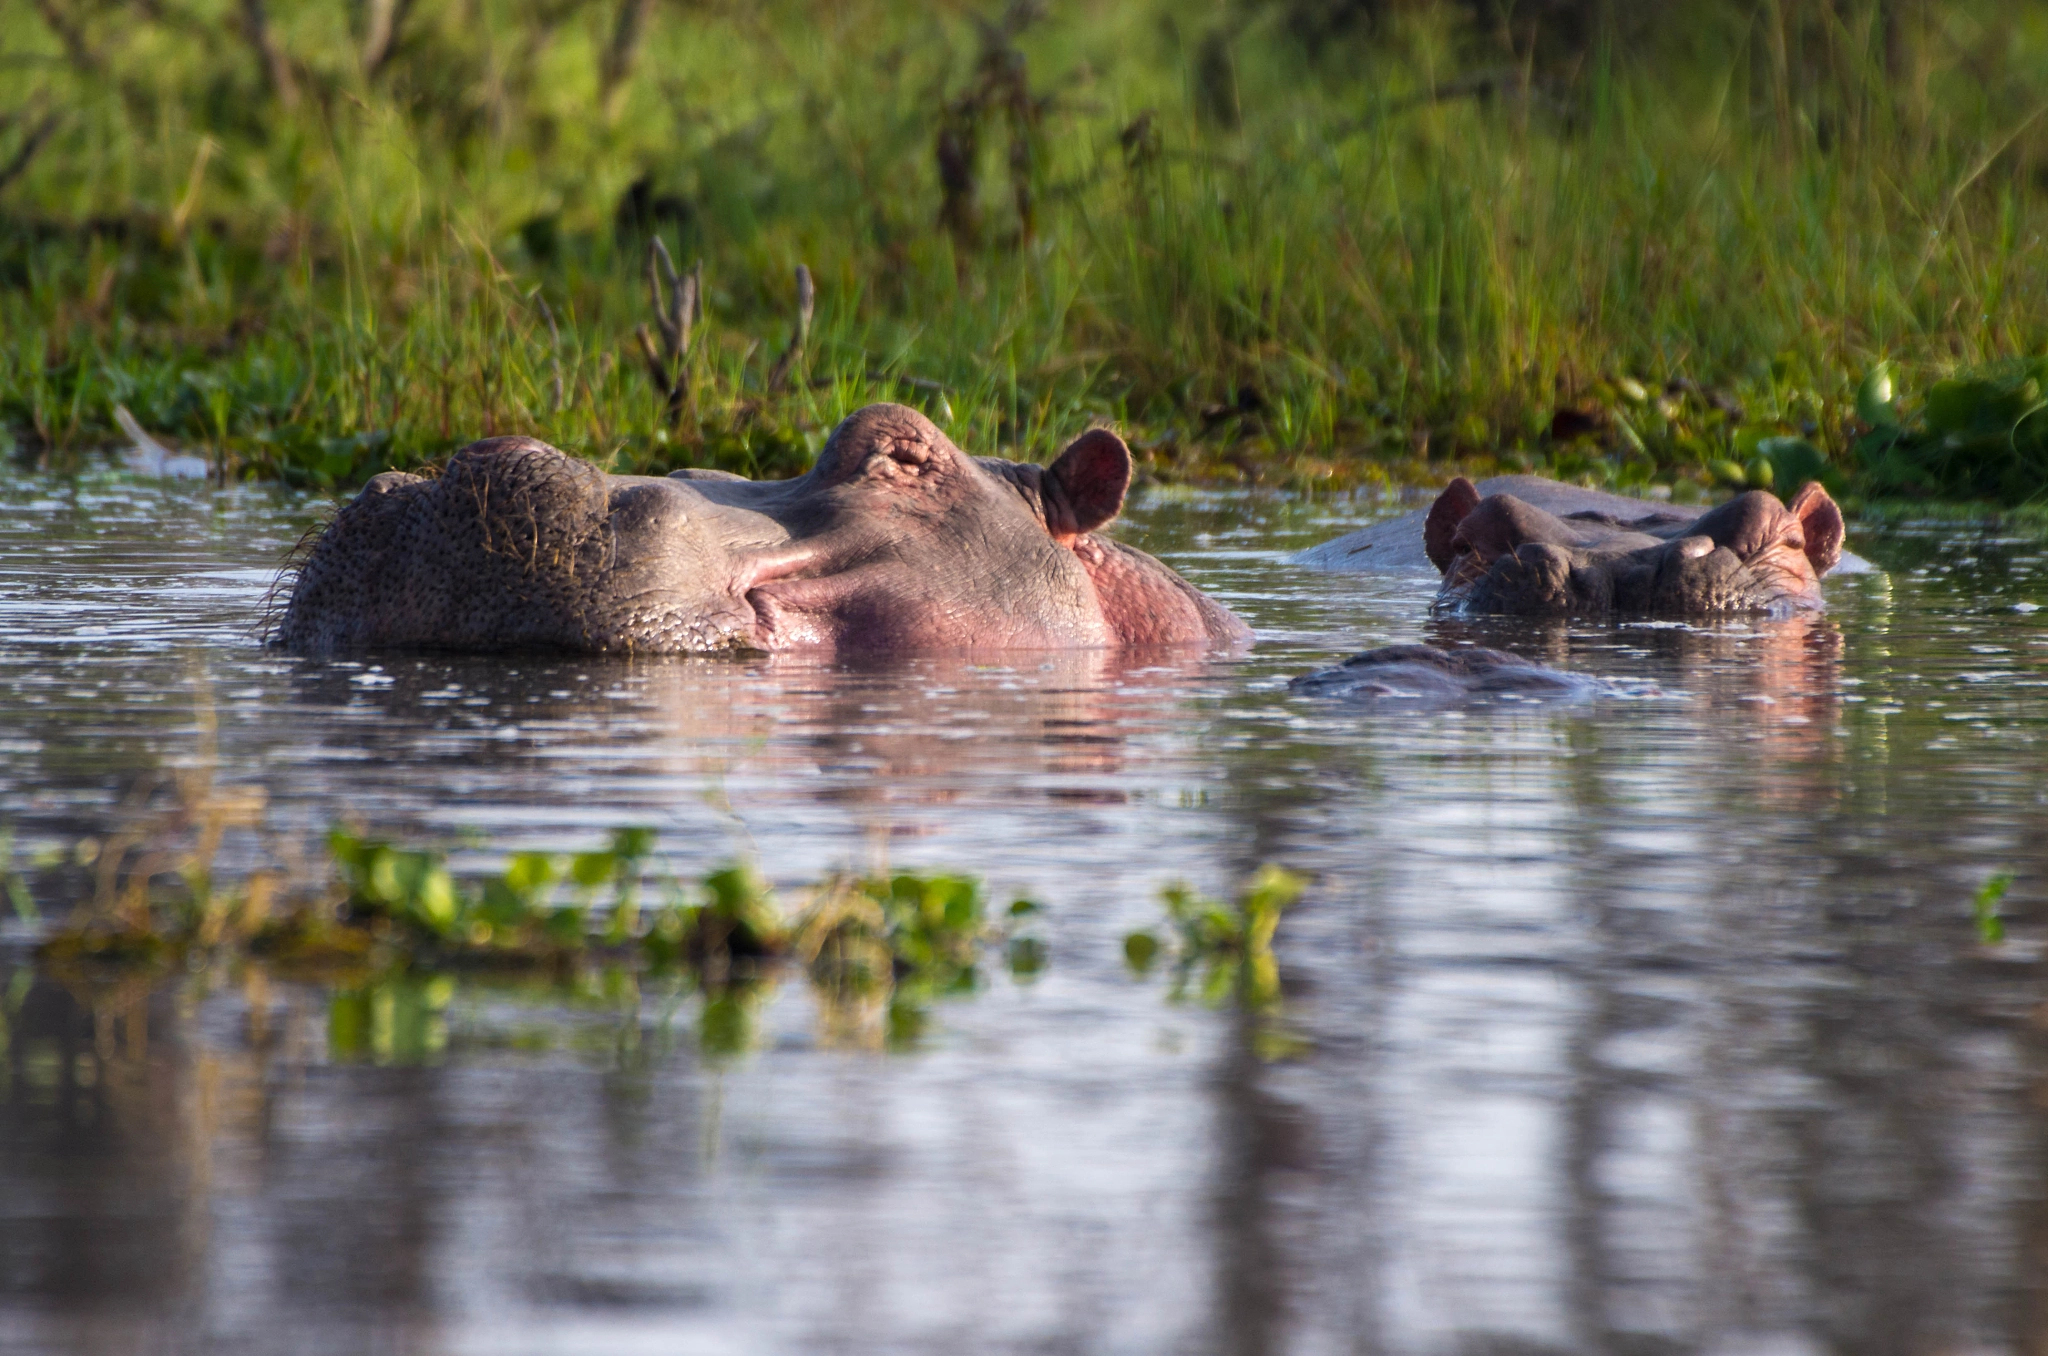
point(1535, 547)
point(894, 540)
point(1433, 677)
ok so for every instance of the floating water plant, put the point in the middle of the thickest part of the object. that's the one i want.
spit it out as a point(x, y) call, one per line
point(1980, 435)
point(878, 949)
point(1222, 952)
point(1984, 908)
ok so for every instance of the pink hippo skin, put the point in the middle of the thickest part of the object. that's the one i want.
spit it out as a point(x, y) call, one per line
point(1503, 554)
point(894, 541)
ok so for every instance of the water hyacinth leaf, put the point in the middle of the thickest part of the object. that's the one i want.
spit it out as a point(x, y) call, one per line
point(1984, 908)
point(435, 898)
point(1793, 462)
point(1961, 406)
point(1874, 398)
point(1026, 957)
point(591, 869)
point(1728, 472)
point(631, 844)
point(529, 873)
point(1140, 950)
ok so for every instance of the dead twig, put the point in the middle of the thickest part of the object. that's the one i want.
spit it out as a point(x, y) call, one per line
point(31, 144)
point(277, 68)
point(384, 21)
point(622, 52)
point(806, 301)
point(677, 302)
point(79, 52)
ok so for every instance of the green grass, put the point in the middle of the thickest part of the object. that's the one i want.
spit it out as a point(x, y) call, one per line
point(1304, 263)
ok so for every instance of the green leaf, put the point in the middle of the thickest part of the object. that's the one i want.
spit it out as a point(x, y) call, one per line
point(1140, 950)
point(1793, 462)
point(434, 900)
point(1026, 956)
point(1874, 398)
point(632, 844)
point(528, 873)
point(1984, 908)
point(592, 868)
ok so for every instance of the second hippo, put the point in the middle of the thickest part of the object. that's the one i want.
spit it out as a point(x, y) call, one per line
point(1532, 547)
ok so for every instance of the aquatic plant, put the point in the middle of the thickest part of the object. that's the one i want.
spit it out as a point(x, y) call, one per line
point(1981, 434)
point(886, 945)
point(1221, 951)
point(1984, 907)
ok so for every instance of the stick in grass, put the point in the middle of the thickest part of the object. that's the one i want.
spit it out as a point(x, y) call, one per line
point(676, 300)
point(806, 302)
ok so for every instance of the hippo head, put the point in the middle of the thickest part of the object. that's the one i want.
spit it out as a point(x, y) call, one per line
point(894, 540)
point(1752, 554)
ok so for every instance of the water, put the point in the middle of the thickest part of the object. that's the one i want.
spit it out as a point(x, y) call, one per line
point(1644, 1025)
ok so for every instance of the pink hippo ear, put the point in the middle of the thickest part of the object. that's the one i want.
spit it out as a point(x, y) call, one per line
point(1820, 522)
point(1440, 528)
point(1087, 484)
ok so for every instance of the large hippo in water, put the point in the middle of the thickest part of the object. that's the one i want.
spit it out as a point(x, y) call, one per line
point(894, 541)
point(1533, 547)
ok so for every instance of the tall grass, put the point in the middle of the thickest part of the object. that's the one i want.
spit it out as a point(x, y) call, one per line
point(1301, 263)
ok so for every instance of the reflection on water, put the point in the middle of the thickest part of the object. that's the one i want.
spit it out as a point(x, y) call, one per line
point(1654, 1024)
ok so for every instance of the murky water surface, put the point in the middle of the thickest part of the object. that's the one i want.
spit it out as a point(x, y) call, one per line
point(1658, 1024)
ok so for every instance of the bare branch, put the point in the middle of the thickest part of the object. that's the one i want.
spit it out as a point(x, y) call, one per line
point(655, 367)
point(668, 306)
point(806, 301)
point(31, 144)
point(623, 52)
point(677, 299)
point(385, 20)
point(277, 68)
point(76, 48)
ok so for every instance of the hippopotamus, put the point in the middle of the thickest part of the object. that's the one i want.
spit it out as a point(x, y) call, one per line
point(1533, 547)
point(895, 540)
point(1434, 676)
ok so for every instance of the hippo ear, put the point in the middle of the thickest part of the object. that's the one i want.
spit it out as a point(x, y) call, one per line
point(1459, 498)
point(1089, 479)
point(1820, 522)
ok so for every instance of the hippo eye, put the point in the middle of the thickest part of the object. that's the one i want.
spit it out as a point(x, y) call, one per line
point(1692, 548)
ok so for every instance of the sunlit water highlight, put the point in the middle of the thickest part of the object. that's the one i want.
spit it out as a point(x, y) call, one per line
point(1643, 1024)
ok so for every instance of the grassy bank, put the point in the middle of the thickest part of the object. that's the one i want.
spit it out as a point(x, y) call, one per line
point(1286, 242)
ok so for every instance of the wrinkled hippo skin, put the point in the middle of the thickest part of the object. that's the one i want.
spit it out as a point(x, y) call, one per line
point(894, 541)
point(1435, 676)
point(1527, 546)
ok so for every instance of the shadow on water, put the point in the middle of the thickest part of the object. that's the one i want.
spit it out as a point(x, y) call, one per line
point(1649, 1024)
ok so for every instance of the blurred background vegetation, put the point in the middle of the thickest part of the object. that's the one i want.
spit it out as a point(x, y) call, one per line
point(1308, 242)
